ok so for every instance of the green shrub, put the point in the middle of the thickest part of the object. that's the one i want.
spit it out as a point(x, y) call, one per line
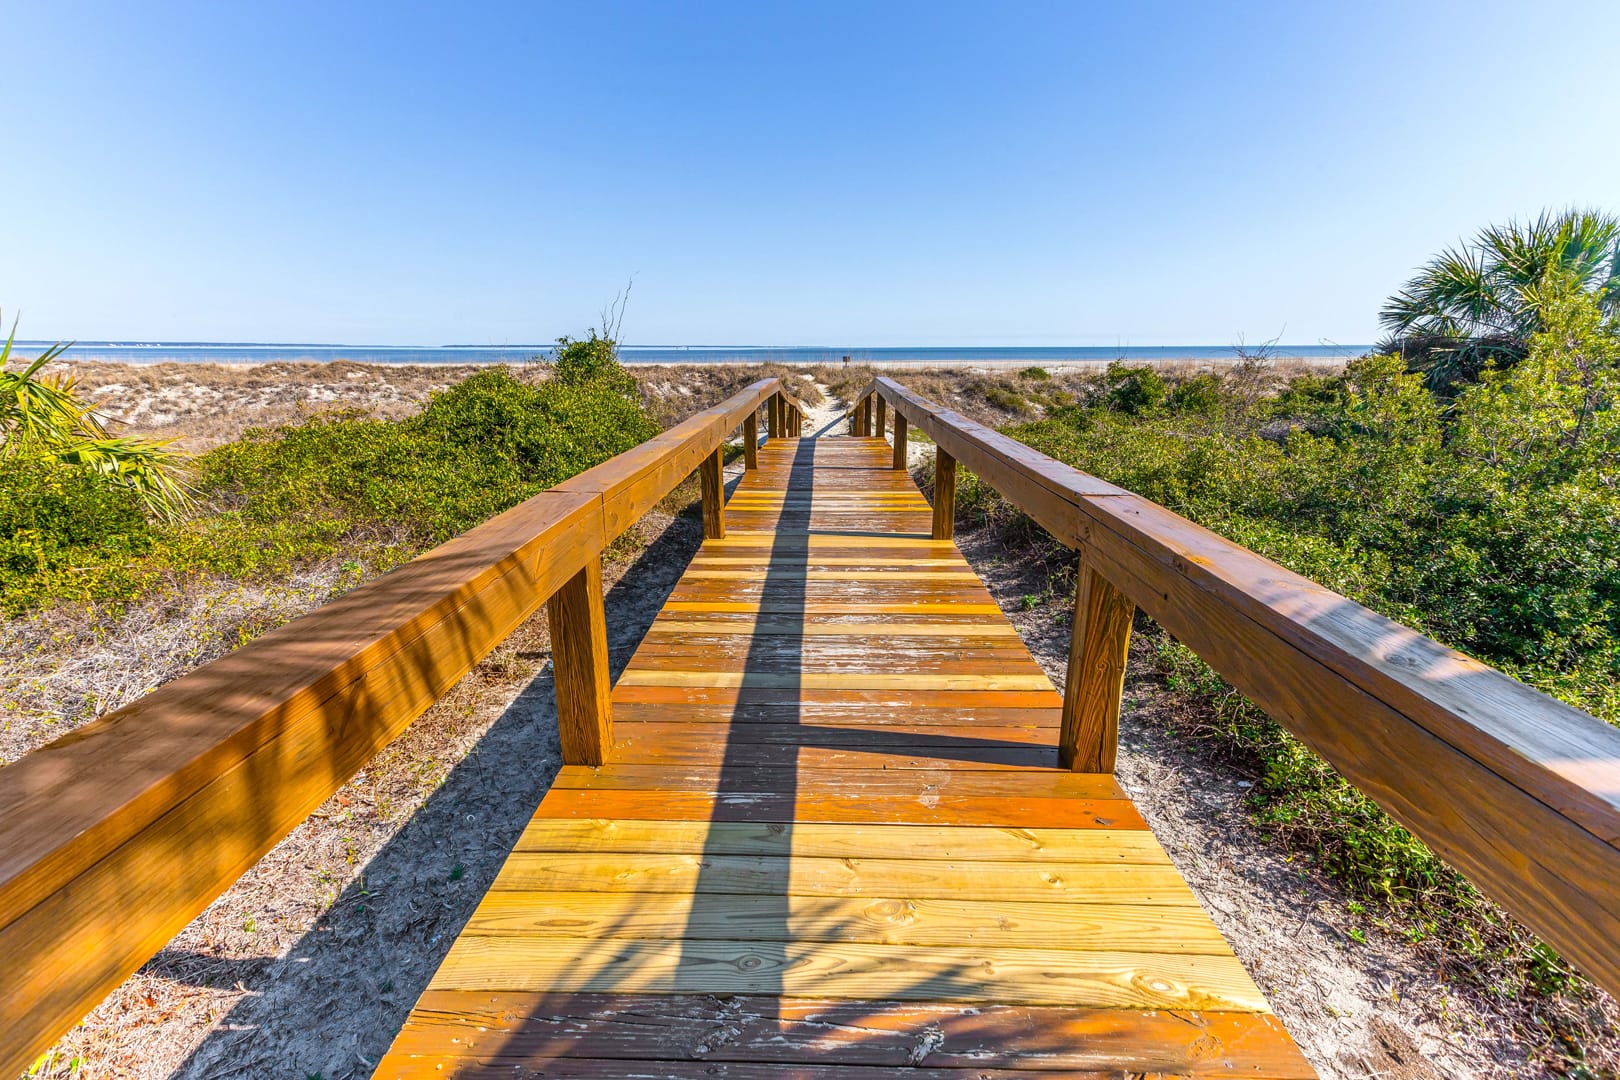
point(1035, 374)
point(67, 532)
point(1003, 398)
point(1489, 520)
point(339, 483)
point(1134, 390)
point(1200, 394)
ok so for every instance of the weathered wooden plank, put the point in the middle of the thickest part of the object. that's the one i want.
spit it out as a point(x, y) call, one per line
point(535, 1027)
point(713, 485)
point(579, 657)
point(1098, 644)
point(944, 523)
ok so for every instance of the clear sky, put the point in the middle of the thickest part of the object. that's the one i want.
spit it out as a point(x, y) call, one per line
point(870, 174)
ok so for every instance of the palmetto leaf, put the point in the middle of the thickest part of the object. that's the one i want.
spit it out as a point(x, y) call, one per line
point(42, 416)
point(1485, 299)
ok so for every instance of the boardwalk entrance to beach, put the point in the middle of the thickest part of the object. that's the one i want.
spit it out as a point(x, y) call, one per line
point(832, 839)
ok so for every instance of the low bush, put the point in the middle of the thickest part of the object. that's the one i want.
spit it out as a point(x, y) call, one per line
point(1490, 521)
point(67, 531)
point(339, 483)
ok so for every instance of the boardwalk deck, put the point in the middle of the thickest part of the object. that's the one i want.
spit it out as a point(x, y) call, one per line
point(832, 840)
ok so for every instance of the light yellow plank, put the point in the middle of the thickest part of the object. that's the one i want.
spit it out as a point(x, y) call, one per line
point(770, 628)
point(832, 575)
point(845, 607)
point(873, 921)
point(854, 680)
point(773, 561)
point(834, 841)
point(527, 871)
point(771, 538)
point(850, 971)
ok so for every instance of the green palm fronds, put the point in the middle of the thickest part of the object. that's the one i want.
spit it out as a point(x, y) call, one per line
point(43, 417)
point(1482, 303)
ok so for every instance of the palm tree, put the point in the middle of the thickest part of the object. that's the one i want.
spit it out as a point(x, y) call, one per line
point(1482, 302)
point(42, 417)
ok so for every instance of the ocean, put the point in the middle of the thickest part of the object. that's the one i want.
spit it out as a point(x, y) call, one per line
point(796, 355)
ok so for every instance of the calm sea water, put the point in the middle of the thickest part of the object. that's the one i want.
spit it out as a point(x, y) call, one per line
point(236, 353)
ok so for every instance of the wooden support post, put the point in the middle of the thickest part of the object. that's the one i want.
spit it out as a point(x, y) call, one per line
point(900, 461)
point(882, 416)
point(579, 663)
point(714, 496)
point(866, 417)
point(751, 441)
point(773, 425)
point(1096, 682)
point(944, 495)
point(795, 425)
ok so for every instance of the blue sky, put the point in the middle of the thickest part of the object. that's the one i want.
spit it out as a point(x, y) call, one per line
point(870, 174)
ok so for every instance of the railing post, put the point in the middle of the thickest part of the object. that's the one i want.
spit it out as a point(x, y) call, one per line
point(714, 496)
point(751, 441)
point(866, 416)
point(899, 440)
point(1096, 681)
point(944, 494)
point(882, 415)
point(579, 664)
point(795, 423)
point(773, 426)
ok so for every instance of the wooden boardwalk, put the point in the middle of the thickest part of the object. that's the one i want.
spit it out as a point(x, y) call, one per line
point(832, 840)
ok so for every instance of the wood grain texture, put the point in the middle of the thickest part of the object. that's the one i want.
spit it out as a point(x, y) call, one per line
point(713, 485)
point(944, 524)
point(1099, 641)
point(835, 771)
point(579, 658)
point(900, 459)
point(528, 1029)
point(751, 441)
point(849, 970)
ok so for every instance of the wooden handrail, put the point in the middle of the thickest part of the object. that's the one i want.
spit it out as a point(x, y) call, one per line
point(113, 837)
point(1518, 790)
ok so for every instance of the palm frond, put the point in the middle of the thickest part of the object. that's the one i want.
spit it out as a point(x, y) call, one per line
point(43, 417)
point(1481, 303)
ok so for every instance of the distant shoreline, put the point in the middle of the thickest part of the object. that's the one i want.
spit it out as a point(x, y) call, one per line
point(900, 358)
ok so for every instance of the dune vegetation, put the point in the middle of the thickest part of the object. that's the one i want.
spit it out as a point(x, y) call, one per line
point(1481, 509)
point(339, 483)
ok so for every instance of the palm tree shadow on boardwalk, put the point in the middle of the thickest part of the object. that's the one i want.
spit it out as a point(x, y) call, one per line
point(332, 1004)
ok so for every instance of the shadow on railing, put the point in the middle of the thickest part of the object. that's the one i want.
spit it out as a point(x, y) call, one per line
point(1519, 791)
point(113, 837)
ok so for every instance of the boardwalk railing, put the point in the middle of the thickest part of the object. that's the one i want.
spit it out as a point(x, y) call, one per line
point(1517, 790)
point(113, 837)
